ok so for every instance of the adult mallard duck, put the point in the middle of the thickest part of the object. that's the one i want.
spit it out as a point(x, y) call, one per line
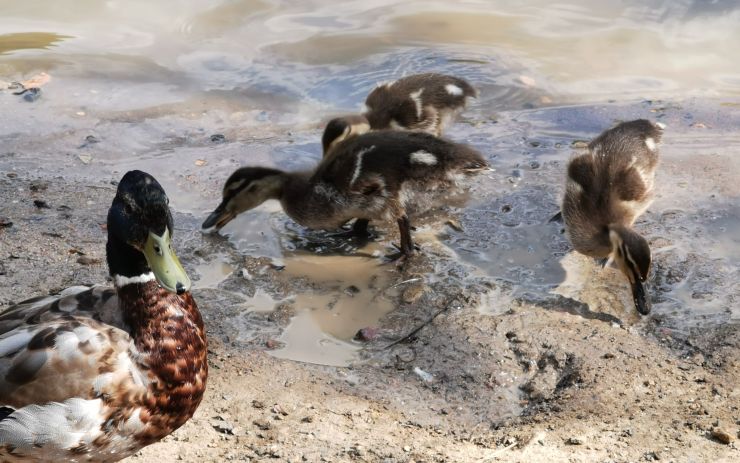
point(97, 373)
point(421, 102)
point(607, 189)
point(373, 176)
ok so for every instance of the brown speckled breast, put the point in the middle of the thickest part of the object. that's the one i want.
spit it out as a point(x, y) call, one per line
point(168, 332)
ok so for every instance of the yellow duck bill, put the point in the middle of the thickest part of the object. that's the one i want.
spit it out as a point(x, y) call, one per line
point(165, 264)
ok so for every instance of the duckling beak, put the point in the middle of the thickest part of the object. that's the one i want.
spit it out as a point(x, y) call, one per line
point(640, 296)
point(165, 264)
point(218, 218)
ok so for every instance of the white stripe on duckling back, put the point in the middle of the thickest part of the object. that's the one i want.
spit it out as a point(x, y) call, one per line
point(453, 89)
point(358, 164)
point(121, 281)
point(416, 98)
point(423, 157)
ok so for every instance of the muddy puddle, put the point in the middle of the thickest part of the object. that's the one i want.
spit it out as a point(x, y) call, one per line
point(192, 96)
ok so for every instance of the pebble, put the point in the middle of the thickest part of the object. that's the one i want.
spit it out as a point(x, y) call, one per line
point(351, 290)
point(41, 204)
point(413, 293)
point(722, 436)
point(258, 404)
point(32, 94)
point(574, 441)
point(223, 426)
point(86, 260)
point(366, 334)
point(5, 222)
point(262, 424)
point(273, 344)
point(218, 138)
point(426, 377)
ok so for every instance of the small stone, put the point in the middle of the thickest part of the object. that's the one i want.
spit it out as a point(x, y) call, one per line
point(86, 260)
point(5, 222)
point(366, 334)
point(651, 456)
point(273, 344)
point(574, 441)
point(41, 204)
point(608, 355)
point(32, 94)
point(218, 138)
point(406, 448)
point(38, 185)
point(579, 144)
point(258, 404)
point(413, 293)
point(277, 408)
point(307, 419)
point(223, 426)
point(455, 225)
point(262, 424)
point(720, 435)
point(506, 208)
point(351, 290)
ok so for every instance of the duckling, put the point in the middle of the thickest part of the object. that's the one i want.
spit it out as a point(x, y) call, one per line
point(606, 190)
point(425, 102)
point(97, 373)
point(373, 176)
point(421, 102)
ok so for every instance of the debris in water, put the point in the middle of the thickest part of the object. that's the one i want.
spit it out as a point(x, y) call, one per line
point(85, 158)
point(31, 94)
point(218, 138)
point(37, 81)
point(528, 81)
point(200, 162)
point(5, 222)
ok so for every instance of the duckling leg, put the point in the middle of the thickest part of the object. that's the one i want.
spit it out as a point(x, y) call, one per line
point(407, 245)
point(359, 230)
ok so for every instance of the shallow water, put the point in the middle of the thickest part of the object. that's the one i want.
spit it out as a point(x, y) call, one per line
point(153, 82)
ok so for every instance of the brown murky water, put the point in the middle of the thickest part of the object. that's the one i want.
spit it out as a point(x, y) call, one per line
point(152, 82)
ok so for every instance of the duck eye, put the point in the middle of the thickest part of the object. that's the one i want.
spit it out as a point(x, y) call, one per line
point(157, 249)
point(252, 188)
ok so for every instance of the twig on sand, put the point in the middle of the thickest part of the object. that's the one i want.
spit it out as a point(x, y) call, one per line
point(498, 452)
point(417, 329)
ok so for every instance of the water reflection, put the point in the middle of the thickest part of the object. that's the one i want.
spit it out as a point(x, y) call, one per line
point(29, 41)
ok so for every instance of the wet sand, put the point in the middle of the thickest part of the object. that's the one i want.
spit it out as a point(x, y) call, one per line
point(554, 366)
point(527, 351)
